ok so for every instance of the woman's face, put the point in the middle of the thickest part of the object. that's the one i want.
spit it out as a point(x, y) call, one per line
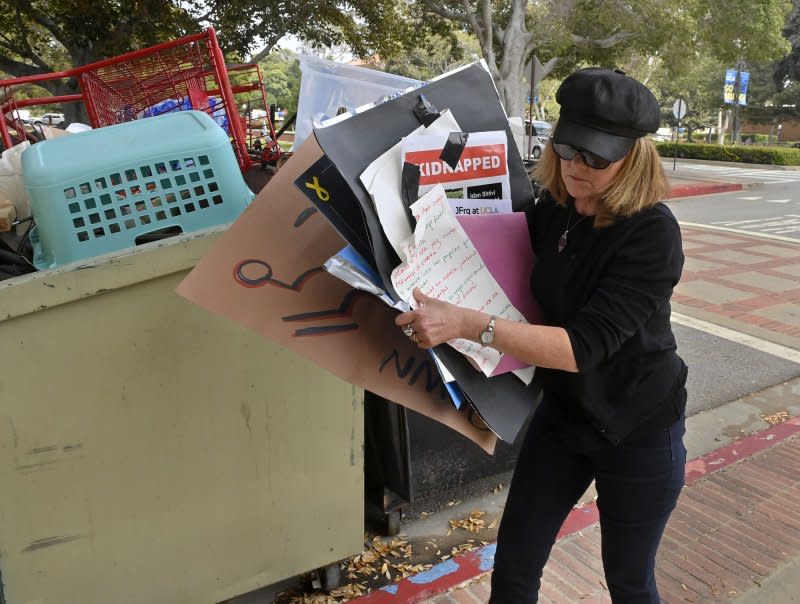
point(584, 183)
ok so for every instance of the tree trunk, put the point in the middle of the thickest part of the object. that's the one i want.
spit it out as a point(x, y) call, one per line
point(512, 89)
point(722, 125)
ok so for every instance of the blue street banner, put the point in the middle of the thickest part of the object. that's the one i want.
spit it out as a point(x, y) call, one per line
point(729, 90)
point(744, 78)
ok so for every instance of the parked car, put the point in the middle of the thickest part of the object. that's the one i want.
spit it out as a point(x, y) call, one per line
point(533, 147)
point(542, 130)
point(541, 135)
point(49, 119)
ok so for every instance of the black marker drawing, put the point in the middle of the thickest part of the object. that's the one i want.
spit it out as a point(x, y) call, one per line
point(433, 379)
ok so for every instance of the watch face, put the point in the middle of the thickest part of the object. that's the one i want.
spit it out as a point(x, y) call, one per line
point(487, 337)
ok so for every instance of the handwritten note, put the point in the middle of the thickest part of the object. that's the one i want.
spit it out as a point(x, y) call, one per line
point(440, 260)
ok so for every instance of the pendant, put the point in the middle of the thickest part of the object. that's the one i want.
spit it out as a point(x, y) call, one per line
point(562, 241)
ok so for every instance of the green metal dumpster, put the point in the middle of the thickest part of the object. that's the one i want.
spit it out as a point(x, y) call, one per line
point(153, 452)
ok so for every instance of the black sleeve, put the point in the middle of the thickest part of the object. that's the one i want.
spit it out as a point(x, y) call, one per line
point(636, 282)
point(538, 216)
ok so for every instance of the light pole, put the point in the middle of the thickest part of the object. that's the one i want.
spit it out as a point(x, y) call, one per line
point(736, 91)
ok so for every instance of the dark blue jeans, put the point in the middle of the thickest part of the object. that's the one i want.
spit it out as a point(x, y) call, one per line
point(638, 483)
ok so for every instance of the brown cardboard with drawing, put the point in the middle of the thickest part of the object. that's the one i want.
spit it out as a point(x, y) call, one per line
point(265, 272)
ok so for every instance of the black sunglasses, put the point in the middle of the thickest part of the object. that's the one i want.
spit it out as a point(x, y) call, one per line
point(567, 152)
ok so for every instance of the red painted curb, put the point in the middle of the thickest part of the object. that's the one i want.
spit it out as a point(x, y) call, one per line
point(471, 565)
point(703, 189)
point(716, 460)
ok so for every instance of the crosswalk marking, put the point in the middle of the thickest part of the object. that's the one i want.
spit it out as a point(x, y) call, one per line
point(779, 225)
point(750, 198)
point(764, 175)
point(741, 231)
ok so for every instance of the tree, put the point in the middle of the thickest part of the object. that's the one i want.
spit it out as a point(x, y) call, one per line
point(788, 68)
point(561, 33)
point(254, 27)
point(724, 34)
point(698, 82)
point(566, 33)
point(281, 72)
point(434, 55)
point(43, 36)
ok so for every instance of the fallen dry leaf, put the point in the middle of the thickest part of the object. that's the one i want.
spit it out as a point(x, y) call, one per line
point(472, 523)
point(776, 418)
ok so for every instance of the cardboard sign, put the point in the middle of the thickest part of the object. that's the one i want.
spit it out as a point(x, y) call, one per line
point(266, 273)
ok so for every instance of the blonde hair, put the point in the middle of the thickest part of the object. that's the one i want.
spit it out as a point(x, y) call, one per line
point(640, 183)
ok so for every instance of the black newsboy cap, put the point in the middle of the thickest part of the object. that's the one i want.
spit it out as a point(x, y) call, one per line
point(604, 111)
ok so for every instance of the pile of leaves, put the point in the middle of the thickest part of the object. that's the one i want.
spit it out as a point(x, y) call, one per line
point(776, 418)
point(385, 561)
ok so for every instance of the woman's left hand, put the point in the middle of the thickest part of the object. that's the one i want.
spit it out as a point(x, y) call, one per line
point(433, 322)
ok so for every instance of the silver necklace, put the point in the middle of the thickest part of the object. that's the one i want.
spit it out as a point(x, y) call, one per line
point(562, 241)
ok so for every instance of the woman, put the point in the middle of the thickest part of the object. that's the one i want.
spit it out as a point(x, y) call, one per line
point(608, 257)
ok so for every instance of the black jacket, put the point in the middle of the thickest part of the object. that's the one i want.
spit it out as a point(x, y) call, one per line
point(610, 289)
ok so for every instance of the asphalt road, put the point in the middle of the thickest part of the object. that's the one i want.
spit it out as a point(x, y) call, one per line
point(771, 210)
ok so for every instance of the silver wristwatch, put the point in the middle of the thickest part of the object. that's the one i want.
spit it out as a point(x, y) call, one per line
point(487, 335)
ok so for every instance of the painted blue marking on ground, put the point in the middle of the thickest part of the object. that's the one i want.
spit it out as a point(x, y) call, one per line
point(392, 589)
point(486, 555)
point(437, 572)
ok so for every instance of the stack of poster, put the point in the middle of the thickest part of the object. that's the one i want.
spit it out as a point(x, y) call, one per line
point(327, 253)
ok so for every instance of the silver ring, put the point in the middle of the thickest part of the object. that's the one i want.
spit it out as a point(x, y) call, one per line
point(408, 330)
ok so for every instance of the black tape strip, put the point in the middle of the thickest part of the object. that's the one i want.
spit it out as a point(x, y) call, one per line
point(425, 111)
point(409, 189)
point(453, 148)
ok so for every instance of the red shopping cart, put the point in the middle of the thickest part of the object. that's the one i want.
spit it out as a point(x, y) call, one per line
point(187, 73)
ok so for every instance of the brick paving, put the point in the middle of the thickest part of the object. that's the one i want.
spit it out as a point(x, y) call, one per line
point(742, 278)
point(731, 529)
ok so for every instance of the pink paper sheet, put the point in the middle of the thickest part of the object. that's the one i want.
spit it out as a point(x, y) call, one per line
point(503, 242)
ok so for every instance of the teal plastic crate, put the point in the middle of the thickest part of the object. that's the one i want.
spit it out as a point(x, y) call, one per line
point(116, 187)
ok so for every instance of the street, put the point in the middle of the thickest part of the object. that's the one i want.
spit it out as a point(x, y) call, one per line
point(769, 206)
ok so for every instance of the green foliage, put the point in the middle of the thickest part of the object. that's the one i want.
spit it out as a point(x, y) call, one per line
point(750, 30)
point(40, 36)
point(281, 73)
point(748, 154)
point(253, 27)
point(434, 55)
point(788, 68)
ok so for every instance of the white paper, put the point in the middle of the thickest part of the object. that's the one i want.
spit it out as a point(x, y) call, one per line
point(348, 266)
point(443, 263)
point(382, 179)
